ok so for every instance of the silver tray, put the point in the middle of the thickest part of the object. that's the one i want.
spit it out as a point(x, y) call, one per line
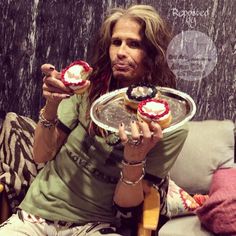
point(109, 110)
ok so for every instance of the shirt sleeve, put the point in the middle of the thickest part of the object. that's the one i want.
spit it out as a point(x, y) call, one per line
point(68, 112)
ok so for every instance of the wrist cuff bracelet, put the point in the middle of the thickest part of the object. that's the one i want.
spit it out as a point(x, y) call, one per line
point(46, 123)
point(133, 163)
point(129, 182)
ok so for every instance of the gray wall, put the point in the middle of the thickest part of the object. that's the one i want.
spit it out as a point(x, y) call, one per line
point(34, 32)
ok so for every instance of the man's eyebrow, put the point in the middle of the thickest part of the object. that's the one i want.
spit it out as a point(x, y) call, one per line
point(134, 39)
point(129, 39)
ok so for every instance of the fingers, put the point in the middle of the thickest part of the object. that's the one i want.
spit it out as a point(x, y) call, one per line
point(134, 139)
point(157, 131)
point(52, 82)
point(134, 130)
point(144, 128)
point(54, 89)
point(135, 134)
point(142, 132)
point(123, 136)
point(47, 69)
point(54, 97)
point(149, 132)
point(51, 89)
point(50, 71)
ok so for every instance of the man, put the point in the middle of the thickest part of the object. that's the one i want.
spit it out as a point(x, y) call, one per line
point(87, 182)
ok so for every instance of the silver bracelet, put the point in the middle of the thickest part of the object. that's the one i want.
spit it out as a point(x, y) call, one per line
point(46, 123)
point(133, 163)
point(129, 182)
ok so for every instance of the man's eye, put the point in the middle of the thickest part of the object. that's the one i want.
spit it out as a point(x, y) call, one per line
point(116, 42)
point(135, 44)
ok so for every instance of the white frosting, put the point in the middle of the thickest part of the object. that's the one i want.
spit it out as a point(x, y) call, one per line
point(141, 91)
point(75, 74)
point(154, 108)
point(74, 87)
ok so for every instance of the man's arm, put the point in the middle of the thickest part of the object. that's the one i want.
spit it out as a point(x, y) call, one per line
point(130, 190)
point(48, 141)
point(130, 195)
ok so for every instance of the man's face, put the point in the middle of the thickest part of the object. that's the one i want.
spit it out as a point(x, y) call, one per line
point(126, 52)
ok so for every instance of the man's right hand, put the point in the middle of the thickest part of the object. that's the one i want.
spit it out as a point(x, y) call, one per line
point(47, 141)
point(53, 88)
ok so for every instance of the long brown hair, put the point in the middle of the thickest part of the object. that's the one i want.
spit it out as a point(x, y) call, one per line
point(156, 38)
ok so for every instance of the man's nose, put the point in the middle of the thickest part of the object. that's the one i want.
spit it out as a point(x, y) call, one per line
point(122, 50)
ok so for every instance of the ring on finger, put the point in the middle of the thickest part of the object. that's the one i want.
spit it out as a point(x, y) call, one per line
point(134, 142)
point(124, 142)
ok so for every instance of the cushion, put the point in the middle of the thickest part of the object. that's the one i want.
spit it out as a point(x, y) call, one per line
point(179, 202)
point(181, 226)
point(17, 168)
point(218, 213)
point(209, 146)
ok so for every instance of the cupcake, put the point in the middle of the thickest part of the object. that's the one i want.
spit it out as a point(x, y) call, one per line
point(75, 76)
point(139, 92)
point(156, 110)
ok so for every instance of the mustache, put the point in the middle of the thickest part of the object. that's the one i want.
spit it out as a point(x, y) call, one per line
point(126, 62)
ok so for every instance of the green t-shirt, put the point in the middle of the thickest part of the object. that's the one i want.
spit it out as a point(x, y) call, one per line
point(79, 183)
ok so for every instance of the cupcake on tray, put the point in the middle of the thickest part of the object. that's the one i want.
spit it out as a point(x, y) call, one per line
point(155, 110)
point(139, 92)
point(75, 76)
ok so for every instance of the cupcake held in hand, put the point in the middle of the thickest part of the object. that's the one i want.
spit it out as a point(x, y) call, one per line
point(75, 76)
point(155, 110)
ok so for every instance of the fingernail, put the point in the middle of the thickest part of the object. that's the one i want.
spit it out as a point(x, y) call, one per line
point(121, 124)
point(67, 96)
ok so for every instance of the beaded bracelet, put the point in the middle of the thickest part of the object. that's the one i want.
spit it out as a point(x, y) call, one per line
point(46, 123)
point(133, 163)
point(129, 182)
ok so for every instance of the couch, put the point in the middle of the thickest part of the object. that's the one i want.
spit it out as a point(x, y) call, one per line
point(209, 147)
